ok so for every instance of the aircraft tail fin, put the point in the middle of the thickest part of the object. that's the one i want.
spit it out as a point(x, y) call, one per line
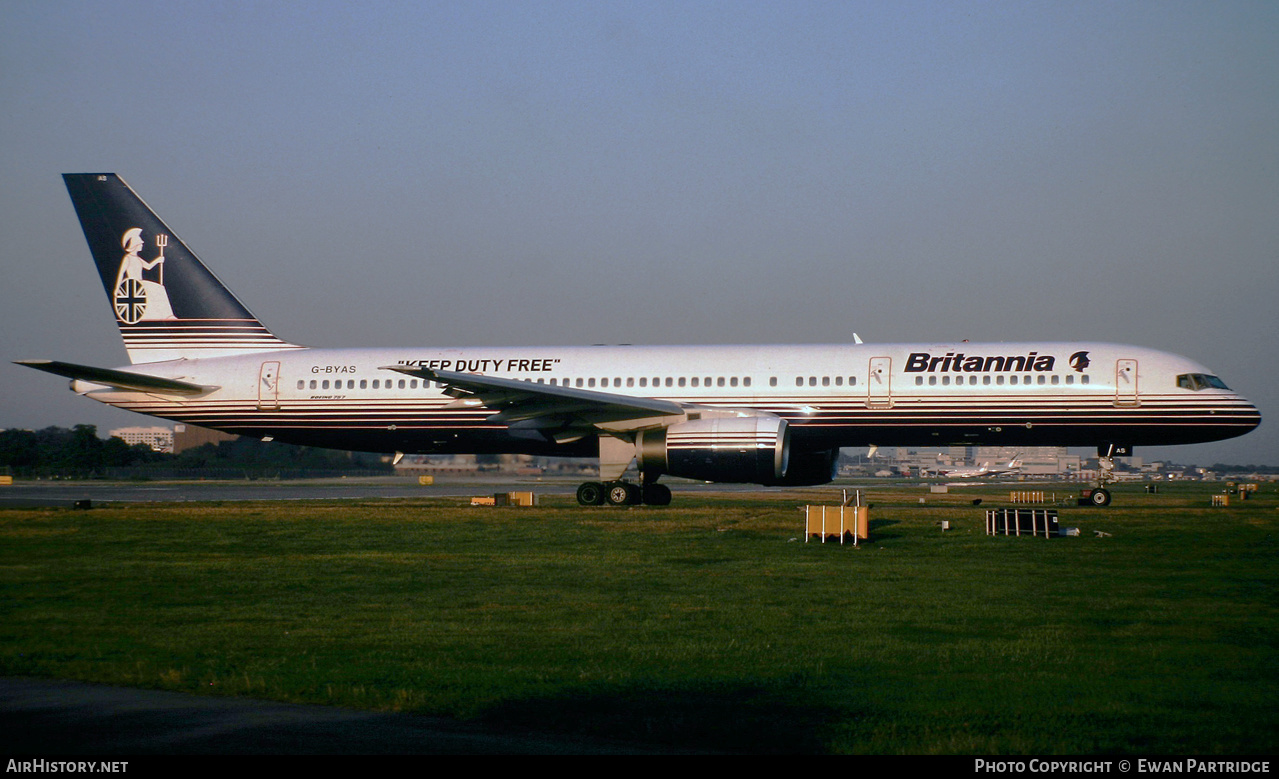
point(167, 304)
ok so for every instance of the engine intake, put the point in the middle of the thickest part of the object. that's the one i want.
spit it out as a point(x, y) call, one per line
point(750, 450)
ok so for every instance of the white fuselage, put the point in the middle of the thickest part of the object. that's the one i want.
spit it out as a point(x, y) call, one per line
point(1066, 394)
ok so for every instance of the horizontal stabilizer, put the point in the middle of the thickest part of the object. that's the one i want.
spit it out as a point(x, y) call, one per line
point(125, 380)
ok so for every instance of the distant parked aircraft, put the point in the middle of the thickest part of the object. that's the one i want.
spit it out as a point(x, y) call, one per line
point(1013, 466)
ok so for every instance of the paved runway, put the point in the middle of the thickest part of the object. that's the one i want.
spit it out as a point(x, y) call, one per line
point(51, 719)
point(66, 493)
point(25, 494)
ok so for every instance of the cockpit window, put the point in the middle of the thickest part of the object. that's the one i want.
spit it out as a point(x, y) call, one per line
point(1200, 381)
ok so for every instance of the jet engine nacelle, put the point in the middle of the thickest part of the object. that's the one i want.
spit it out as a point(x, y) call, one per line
point(809, 468)
point(748, 450)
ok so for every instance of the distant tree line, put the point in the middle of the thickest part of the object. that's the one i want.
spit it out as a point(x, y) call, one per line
point(1225, 468)
point(57, 450)
point(80, 453)
point(255, 455)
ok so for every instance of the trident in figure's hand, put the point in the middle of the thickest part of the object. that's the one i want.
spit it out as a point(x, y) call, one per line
point(161, 241)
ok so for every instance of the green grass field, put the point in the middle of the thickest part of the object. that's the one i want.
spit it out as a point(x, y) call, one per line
point(709, 624)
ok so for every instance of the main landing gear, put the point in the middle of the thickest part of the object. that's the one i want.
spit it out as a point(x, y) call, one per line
point(623, 493)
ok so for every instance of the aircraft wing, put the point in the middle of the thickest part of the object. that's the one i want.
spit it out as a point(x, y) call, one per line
point(124, 380)
point(547, 410)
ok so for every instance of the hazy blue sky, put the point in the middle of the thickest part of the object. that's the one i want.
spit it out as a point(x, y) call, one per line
point(474, 173)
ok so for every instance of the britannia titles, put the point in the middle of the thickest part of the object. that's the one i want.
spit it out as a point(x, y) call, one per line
point(958, 362)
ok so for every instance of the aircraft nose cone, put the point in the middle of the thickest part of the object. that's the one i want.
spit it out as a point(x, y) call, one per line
point(1246, 416)
point(1256, 416)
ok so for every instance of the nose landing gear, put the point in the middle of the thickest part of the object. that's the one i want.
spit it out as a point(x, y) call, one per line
point(1106, 454)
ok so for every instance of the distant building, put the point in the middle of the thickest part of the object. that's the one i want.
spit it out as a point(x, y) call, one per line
point(160, 439)
point(1035, 460)
point(190, 436)
point(1040, 461)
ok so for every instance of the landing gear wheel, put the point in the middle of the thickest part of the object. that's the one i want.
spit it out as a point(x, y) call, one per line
point(590, 493)
point(657, 495)
point(622, 494)
point(1100, 497)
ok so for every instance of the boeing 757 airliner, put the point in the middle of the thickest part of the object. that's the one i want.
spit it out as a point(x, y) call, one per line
point(769, 415)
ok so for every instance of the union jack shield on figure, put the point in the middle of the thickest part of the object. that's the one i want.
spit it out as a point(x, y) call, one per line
point(136, 297)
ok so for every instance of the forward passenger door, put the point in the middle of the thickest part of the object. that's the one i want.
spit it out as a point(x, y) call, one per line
point(879, 383)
